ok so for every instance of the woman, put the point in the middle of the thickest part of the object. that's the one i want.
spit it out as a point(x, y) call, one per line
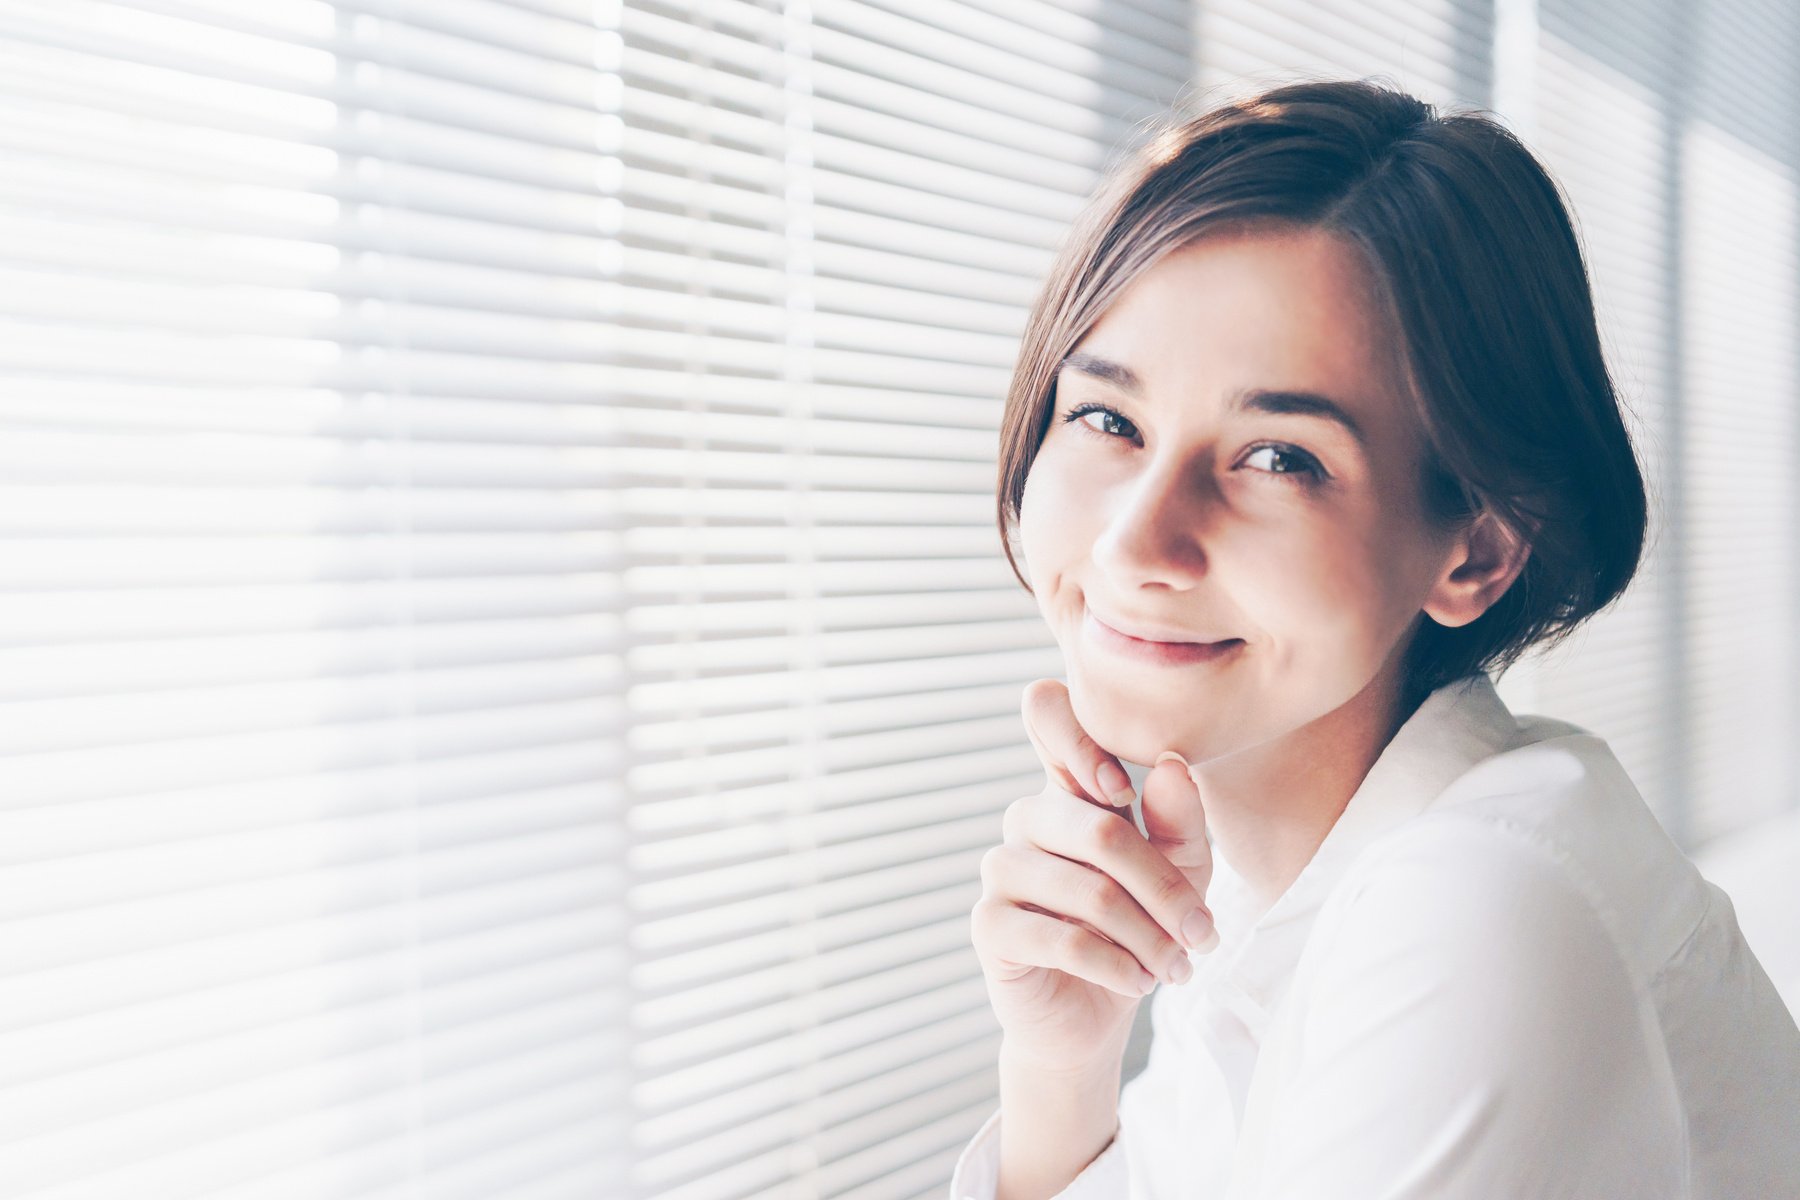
point(1310, 431)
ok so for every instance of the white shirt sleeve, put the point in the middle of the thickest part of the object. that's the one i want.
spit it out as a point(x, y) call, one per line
point(1464, 1027)
point(977, 1173)
point(1162, 1150)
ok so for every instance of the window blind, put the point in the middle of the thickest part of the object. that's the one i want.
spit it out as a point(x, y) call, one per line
point(827, 712)
point(508, 669)
point(1602, 121)
point(1739, 272)
point(1662, 123)
point(1440, 50)
point(314, 848)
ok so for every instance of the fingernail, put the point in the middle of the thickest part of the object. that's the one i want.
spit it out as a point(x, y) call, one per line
point(1197, 927)
point(1116, 783)
point(1180, 971)
point(1173, 755)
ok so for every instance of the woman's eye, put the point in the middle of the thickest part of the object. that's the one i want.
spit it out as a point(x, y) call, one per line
point(1281, 460)
point(1288, 460)
point(1108, 424)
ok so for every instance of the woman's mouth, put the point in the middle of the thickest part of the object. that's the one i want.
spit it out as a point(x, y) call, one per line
point(1167, 654)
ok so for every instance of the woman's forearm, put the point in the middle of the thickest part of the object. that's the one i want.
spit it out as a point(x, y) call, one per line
point(1052, 1124)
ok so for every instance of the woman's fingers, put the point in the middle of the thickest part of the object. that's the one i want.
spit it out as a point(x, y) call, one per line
point(1072, 760)
point(1071, 828)
point(1175, 822)
point(1175, 818)
point(1075, 892)
point(1033, 939)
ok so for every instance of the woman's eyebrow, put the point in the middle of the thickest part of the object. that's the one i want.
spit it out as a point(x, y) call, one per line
point(1302, 404)
point(1278, 401)
point(1117, 374)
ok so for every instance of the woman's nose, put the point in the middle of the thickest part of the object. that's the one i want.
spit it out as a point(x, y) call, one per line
point(1152, 533)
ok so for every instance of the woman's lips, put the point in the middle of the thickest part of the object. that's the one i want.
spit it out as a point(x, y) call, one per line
point(1167, 654)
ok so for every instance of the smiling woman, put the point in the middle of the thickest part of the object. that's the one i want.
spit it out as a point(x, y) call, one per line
point(1310, 433)
point(1457, 315)
point(1203, 485)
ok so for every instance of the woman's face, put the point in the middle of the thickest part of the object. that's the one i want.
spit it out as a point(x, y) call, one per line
point(1211, 507)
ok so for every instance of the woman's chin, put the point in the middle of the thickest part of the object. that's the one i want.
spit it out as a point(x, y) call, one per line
point(1125, 733)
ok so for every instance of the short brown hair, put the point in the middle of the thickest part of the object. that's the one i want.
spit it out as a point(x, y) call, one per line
point(1475, 258)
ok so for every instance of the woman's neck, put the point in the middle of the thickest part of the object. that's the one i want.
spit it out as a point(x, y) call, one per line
point(1270, 807)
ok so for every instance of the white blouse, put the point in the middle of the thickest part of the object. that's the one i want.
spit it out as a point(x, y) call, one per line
point(1497, 977)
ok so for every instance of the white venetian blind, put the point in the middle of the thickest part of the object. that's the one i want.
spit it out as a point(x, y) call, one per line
point(827, 648)
point(507, 668)
point(1740, 285)
point(1440, 50)
point(1667, 124)
point(1597, 109)
point(312, 859)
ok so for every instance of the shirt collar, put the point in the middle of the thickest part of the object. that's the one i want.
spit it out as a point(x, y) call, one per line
point(1455, 727)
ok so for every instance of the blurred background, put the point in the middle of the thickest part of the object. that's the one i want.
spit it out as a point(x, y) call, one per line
point(506, 668)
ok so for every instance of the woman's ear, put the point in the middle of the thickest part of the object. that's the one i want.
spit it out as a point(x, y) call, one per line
point(1486, 556)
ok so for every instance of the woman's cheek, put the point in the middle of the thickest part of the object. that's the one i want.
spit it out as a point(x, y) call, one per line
point(1034, 527)
point(1053, 528)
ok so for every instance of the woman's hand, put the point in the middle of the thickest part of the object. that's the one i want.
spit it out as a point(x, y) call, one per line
point(1080, 914)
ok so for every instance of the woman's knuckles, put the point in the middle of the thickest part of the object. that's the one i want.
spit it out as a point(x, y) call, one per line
point(1101, 900)
point(1110, 833)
